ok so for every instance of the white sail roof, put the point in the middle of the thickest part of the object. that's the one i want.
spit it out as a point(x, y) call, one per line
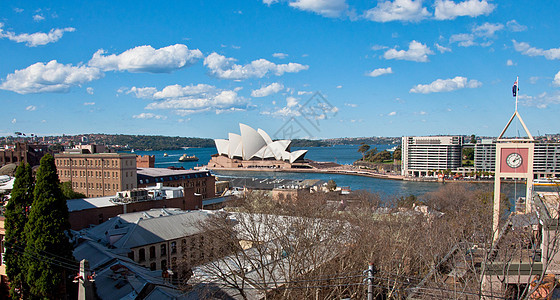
point(256, 144)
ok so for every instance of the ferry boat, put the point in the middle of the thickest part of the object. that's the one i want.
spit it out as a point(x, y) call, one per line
point(546, 181)
point(186, 157)
point(165, 155)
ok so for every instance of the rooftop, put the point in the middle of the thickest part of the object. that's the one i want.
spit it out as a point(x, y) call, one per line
point(159, 172)
point(136, 229)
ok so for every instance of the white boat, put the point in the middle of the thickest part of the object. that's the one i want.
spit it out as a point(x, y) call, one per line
point(165, 155)
point(546, 181)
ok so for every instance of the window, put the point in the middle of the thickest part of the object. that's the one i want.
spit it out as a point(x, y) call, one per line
point(141, 255)
point(163, 250)
point(131, 255)
point(173, 247)
point(152, 252)
point(164, 264)
point(153, 266)
point(183, 245)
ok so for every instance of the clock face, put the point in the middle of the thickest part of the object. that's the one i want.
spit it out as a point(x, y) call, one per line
point(514, 160)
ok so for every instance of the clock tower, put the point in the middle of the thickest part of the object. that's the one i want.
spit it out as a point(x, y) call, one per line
point(514, 161)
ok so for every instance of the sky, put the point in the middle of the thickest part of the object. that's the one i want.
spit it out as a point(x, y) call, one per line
point(296, 68)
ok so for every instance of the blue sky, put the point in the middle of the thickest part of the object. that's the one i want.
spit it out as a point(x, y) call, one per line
point(198, 68)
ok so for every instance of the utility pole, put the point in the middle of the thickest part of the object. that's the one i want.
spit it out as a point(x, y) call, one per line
point(85, 279)
point(370, 282)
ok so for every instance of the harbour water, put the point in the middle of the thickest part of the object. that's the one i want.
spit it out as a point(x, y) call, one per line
point(342, 154)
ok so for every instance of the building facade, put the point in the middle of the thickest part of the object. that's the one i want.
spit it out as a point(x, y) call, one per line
point(546, 158)
point(97, 175)
point(93, 211)
point(423, 154)
point(23, 152)
point(193, 181)
point(485, 155)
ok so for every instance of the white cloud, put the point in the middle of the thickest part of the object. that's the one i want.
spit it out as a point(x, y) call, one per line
point(327, 8)
point(291, 102)
point(225, 68)
point(416, 52)
point(37, 38)
point(268, 90)
point(170, 91)
point(534, 79)
point(149, 116)
point(339, 86)
point(89, 90)
point(269, 2)
point(280, 55)
point(31, 108)
point(18, 10)
point(512, 25)
point(380, 71)
point(556, 81)
point(393, 113)
point(222, 100)
point(398, 10)
point(378, 47)
point(541, 101)
point(14, 121)
point(48, 78)
point(526, 49)
point(304, 93)
point(446, 85)
point(89, 103)
point(38, 18)
point(351, 104)
point(487, 30)
point(449, 10)
point(510, 63)
point(184, 100)
point(442, 49)
point(463, 39)
point(147, 59)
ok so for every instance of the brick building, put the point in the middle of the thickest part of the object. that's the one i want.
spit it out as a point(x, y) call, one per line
point(193, 181)
point(97, 175)
point(145, 161)
point(29, 153)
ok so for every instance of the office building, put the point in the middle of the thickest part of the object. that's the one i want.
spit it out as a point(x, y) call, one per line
point(485, 155)
point(423, 154)
point(97, 175)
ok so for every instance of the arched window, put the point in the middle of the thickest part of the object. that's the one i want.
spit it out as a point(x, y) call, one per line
point(152, 252)
point(141, 255)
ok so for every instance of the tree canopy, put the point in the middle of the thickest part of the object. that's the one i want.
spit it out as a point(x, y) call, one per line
point(48, 247)
point(16, 217)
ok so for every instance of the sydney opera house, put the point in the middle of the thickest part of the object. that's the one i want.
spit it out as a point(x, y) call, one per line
point(255, 149)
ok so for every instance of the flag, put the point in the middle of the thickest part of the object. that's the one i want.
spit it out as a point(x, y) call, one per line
point(514, 89)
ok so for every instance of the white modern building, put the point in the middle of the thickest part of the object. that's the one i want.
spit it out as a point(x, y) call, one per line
point(424, 154)
point(254, 148)
point(546, 158)
point(485, 155)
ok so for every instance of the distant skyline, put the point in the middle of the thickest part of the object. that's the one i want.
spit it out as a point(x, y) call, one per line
point(296, 68)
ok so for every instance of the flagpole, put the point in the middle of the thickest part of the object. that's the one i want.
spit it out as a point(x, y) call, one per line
point(516, 92)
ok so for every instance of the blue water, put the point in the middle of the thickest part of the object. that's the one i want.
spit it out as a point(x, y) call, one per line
point(342, 154)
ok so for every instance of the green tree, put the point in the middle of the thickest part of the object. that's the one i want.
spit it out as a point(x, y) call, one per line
point(397, 154)
point(46, 231)
point(16, 217)
point(381, 156)
point(363, 149)
point(68, 192)
point(331, 185)
point(370, 154)
point(473, 139)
